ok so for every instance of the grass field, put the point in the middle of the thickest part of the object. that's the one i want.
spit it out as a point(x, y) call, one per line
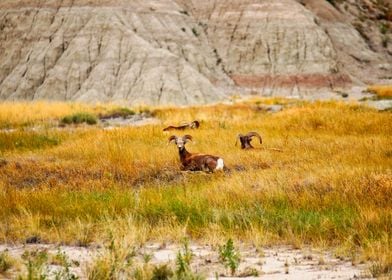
point(330, 187)
point(381, 91)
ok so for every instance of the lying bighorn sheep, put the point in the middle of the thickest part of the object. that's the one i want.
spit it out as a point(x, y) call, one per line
point(194, 124)
point(195, 162)
point(245, 139)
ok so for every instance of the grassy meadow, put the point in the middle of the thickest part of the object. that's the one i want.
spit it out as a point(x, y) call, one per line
point(330, 186)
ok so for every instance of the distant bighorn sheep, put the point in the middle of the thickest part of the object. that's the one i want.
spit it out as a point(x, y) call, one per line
point(245, 139)
point(194, 124)
point(195, 162)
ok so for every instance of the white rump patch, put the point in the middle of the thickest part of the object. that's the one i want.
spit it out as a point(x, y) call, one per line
point(220, 164)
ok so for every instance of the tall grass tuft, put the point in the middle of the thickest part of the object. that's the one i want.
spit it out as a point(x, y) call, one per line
point(79, 118)
point(6, 263)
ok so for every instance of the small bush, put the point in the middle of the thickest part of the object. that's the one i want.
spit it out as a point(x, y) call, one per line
point(118, 113)
point(5, 262)
point(162, 272)
point(79, 118)
point(183, 265)
point(183, 260)
point(378, 269)
point(35, 265)
point(115, 263)
point(64, 274)
point(229, 256)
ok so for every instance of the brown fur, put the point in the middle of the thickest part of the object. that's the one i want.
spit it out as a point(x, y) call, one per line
point(192, 125)
point(193, 162)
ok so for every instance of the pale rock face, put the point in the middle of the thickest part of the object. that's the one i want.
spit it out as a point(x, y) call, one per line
point(178, 52)
point(137, 52)
point(271, 37)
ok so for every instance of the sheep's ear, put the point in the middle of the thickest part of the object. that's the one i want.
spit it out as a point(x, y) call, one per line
point(187, 138)
point(238, 138)
point(172, 138)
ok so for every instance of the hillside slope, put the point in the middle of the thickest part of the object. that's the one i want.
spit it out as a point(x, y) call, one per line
point(186, 51)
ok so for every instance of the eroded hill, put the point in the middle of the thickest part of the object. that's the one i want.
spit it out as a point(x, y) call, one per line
point(189, 52)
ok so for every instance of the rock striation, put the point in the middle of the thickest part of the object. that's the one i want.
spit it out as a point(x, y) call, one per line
point(182, 52)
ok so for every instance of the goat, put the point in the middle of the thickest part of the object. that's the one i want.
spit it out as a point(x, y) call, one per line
point(192, 125)
point(245, 139)
point(195, 162)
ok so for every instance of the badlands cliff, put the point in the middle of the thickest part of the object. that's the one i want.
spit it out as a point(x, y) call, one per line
point(189, 52)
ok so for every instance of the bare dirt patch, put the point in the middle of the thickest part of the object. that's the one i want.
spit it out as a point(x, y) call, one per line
point(279, 262)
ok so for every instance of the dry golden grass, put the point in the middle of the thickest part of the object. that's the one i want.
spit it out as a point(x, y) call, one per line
point(382, 91)
point(20, 114)
point(331, 185)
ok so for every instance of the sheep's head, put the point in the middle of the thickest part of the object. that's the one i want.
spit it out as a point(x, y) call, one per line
point(180, 141)
point(247, 138)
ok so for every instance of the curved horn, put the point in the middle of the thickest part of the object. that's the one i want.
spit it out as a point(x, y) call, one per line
point(238, 138)
point(171, 138)
point(187, 137)
point(195, 124)
point(254, 134)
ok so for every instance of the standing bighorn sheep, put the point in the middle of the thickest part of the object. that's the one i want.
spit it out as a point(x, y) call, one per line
point(245, 139)
point(194, 124)
point(195, 162)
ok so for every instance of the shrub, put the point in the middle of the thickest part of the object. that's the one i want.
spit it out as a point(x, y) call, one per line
point(162, 272)
point(378, 270)
point(183, 260)
point(5, 262)
point(183, 265)
point(79, 118)
point(64, 274)
point(229, 256)
point(35, 265)
point(115, 263)
point(118, 113)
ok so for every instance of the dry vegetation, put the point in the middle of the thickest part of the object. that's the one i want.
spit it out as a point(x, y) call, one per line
point(382, 91)
point(331, 185)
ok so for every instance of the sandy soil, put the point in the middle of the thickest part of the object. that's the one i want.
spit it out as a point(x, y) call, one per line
point(279, 262)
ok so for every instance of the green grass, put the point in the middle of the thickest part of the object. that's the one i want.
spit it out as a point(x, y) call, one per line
point(79, 118)
point(27, 140)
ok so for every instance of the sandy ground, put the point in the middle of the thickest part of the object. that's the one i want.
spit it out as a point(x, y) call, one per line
point(270, 263)
point(136, 120)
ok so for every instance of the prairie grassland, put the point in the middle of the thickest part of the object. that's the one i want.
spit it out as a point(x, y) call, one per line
point(25, 114)
point(382, 91)
point(330, 187)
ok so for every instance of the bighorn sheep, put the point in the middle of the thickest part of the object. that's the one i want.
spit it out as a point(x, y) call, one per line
point(245, 139)
point(195, 162)
point(194, 124)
